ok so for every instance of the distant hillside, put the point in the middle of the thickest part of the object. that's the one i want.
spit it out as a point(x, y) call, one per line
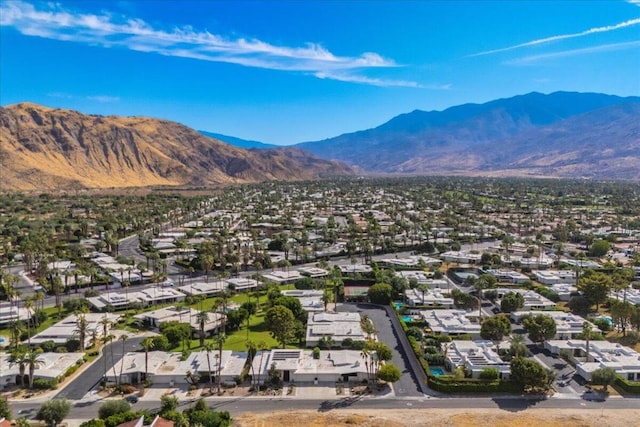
point(238, 142)
point(44, 148)
point(502, 137)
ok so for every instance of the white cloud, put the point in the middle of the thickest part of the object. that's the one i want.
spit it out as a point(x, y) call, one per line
point(590, 31)
point(107, 30)
point(636, 2)
point(96, 98)
point(583, 51)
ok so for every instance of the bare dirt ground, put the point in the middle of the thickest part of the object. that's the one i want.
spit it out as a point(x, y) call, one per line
point(445, 417)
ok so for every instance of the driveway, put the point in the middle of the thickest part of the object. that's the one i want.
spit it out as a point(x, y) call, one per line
point(93, 374)
point(407, 385)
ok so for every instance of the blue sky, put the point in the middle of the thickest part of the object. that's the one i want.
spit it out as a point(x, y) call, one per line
point(290, 71)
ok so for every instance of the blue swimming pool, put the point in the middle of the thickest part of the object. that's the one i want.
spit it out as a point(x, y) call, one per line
point(398, 305)
point(437, 371)
point(407, 319)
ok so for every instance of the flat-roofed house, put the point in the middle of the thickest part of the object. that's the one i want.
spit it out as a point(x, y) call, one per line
point(337, 326)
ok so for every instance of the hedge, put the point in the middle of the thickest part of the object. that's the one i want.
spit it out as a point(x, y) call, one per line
point(451, 385)
point(627, 386)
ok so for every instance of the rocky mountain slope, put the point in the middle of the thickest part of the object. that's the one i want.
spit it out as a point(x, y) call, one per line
point(44, 148)
point(562, 134)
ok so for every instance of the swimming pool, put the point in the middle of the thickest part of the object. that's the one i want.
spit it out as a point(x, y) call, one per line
point(398, 305)
point(437, 370)
point(407, 319)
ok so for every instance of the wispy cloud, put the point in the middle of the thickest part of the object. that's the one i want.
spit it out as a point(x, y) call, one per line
point(97, 98)
point(590, 31)
point(107, 30)
point(527, 60)
point(636, 2)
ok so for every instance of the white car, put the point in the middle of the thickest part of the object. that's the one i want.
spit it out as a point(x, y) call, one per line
point(167, 284)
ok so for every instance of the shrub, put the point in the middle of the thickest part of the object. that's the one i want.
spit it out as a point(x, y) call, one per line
point(48, 346)
point(316, 353)
point(45, 384)
point(72, 345)
point(489, 374)
point(602, 324)
point(113, 407)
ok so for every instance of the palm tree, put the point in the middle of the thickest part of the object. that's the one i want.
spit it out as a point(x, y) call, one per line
point(586, 332)
point(17, 357)
point(81, 329)
point(518, 347)
point(262, 346)
point(33, 361)
point(105, 322)
point(16, 327)
point(251, 352)
point(122, 338)
point(147, 344)
point(202, 317)
point(366, 355)
point(219, 340)
point(209, 347)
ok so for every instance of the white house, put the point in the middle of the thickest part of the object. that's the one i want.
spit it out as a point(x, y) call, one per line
point(453, 322)
point(476, 356)
point(602, 354)
point(337, 326)
point(54, 365)
point(430, 297)
point(300, 366)
point(165, 368)
point(461, 257)
point(554, 277)
point(532, 300)
point(568, 325)
point(508, 276)
point(144, 297)
point(66, 329)
point(310, 299)
point(183, 315)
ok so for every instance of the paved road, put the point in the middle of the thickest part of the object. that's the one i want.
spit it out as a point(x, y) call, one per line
point(239, 405)
point(407, 385)
point(93, 374)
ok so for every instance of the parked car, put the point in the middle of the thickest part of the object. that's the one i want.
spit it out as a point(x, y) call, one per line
point(132, 398)
point(167, 284)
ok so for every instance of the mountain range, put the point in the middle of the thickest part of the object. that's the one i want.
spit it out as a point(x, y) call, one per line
point(563, 134)
point(43, 148)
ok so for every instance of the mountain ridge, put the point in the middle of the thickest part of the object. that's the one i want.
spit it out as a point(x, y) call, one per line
point(428, 142)
point(51, 148)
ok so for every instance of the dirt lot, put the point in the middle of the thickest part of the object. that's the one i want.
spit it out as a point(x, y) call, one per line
point(445, 417)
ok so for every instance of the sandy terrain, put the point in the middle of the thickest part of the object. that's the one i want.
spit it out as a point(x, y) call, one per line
point(445, 417)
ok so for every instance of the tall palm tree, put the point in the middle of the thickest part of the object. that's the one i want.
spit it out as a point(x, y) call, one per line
point(251, 352)
point(219, 340)
point(586, 332)
point(17, 357)
point(209, 347)
point(202, 317)
point(122, 338)
point(105, 322)
point(82, 327)
point(147, 344)
point(16, 327)
point(33, 361)
point(518, 347)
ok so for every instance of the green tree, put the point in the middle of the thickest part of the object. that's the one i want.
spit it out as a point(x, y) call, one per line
point(32, 360)
point(599, 248)
point(380, 293)
point(511, 302)
point(518, 347)
point(113, 407)
point(281, 323)
point(5, 409)
point(539, 327)
point(147, 344)
point(604, 377)
point(528, 374)
point(168, 403)
point(96, 422)
point(495, 328)
point(389, 373)
point(489, 374)
point(595, 286)
point(54, 411)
